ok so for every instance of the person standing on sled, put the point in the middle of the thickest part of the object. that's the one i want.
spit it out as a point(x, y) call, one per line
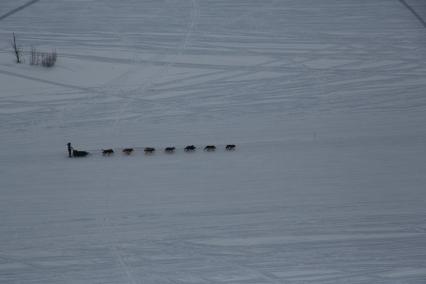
point(69, 149)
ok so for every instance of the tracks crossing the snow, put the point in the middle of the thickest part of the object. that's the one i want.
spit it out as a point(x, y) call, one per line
point(194, 15)
point(414, 12)
point(16, 10)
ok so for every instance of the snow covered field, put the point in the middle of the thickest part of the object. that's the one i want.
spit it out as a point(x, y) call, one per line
point(324, 99)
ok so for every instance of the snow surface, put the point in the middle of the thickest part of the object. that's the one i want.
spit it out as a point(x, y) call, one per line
point(324, 99)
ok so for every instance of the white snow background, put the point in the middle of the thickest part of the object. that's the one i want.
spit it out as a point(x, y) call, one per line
point(325, 100)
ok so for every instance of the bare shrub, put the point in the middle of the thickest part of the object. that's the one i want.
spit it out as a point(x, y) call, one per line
point(34, 57)
point(45, 59)
point(17, 50)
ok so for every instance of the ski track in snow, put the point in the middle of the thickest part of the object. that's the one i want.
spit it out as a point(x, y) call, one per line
point(142, 89)
point(16, 10)
point(103, 224)
point(324, 99)
point(413, 11)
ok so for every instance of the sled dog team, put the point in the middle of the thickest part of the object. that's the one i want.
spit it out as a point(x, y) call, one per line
point(148, 150)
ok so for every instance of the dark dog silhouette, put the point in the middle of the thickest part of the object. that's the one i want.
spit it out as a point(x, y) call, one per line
point(107, 152)
point(149, 150)
point(78, 154)
point(190, 148)
point(230, 147)
point(127, 151)
point(210, 148)
point(169, 149)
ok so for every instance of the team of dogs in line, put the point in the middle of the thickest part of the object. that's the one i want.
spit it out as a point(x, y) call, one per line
point(148, 150)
